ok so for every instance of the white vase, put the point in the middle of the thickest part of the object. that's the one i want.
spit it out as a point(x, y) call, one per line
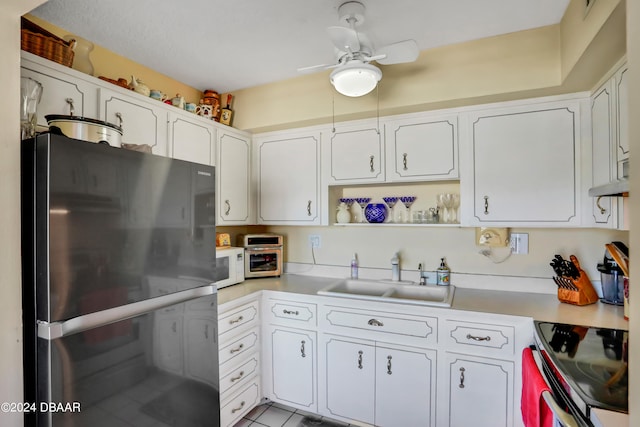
point(81, 51)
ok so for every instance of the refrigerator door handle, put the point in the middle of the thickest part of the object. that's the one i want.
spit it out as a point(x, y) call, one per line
point(54, 330)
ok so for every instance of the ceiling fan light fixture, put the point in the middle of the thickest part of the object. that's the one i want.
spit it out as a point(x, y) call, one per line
point(355, 78)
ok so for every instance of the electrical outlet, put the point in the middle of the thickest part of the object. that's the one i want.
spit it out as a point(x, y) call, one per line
point(492, 237)
point(314, 241)
point(519, 243)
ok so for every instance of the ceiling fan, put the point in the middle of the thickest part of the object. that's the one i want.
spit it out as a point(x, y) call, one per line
point(353, 75)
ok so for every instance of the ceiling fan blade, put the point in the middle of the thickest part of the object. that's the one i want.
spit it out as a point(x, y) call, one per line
point(398, 53)
point(345, 39)
point(317, 68)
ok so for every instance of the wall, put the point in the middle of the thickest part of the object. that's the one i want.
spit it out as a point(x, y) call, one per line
point(10, 274)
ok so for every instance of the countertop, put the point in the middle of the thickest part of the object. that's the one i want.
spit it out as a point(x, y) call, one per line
point(545, 307)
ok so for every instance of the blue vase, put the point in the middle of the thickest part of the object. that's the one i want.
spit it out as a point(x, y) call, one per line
point(375, 212)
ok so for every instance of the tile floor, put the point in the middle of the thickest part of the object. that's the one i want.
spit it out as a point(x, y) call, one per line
point(276, 415)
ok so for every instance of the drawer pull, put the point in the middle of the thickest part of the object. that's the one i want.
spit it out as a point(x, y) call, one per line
point(375, 322)
point(285, 311)
point(240, 375)
point(234, 410)
point(471, 337)
point(302, 353)
point(235, 350)
point(389, 365)
point(236, 320)
point(360, 359)
point(461, 385)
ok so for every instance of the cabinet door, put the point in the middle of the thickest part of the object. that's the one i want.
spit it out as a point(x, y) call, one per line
point(480, 392)
point(60, 91)
point(168, 343)
point(622, 110)
point(191, 138)
point(233, 169)
point(293, 368)
point(405, 379)
point(524, 165)
point(602, 134)
point(288, 179)
point(143, 121)
point(200, 338)
point(350, 376)
point(422, 148)
point(355, 154)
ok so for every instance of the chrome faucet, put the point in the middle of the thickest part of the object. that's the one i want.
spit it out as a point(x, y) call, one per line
point(423, 277)
point(395, 268)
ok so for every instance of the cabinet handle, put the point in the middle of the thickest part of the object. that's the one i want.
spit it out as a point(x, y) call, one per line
point(404, 161)
point(237, 349)
point(71, 109)
point(236, 320)
point(174, 327)
point(285, 311)
point(302, 353)
point(461, 385)
point(375, 322)
point(228, 205)
point(602, 210)
point(471, 337)
point(234, 379)
point(371, 164)
point(119, 117)
point(389, 365)
point(360, 359)
point(206, 331)
point(234, 410)
point(486, 205)
point(309, 208)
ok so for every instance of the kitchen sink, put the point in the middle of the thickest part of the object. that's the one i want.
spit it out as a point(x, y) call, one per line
point(383, 290)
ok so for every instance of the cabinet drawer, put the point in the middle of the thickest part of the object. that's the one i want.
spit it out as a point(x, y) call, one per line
point(381, 325)
point(234, 319)
point(497, 339)
point(235, 377)
point(248, 342)
point(233, 409)
point(291, 313)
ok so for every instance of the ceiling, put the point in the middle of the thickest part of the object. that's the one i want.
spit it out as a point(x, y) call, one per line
point(227, 45)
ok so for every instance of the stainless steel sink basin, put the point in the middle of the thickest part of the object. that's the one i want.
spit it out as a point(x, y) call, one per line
point(406, 292)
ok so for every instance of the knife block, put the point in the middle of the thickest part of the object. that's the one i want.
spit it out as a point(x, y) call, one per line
point(585, 294)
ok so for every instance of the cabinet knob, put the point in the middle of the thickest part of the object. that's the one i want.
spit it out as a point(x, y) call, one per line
point(472, 337)
point(234, 410)
point(375, 322)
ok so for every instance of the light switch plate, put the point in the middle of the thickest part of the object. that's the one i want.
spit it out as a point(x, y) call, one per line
point(492, 237)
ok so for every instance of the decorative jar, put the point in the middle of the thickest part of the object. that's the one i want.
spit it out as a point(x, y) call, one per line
point(343, 216)
point(375, 212)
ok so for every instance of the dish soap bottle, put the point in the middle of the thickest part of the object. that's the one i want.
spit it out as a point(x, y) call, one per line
point(354, 266)
point(443, 273)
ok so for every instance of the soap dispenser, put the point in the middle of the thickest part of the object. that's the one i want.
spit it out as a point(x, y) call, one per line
point(354, 266)
point(443, 273)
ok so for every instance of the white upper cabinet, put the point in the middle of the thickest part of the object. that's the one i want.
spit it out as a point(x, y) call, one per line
point(191, 138)
point(288, 177)
point(354, 153)
point(599, 211)
point(144, 121)
point(62, 88)
point(233, 172)
point(524, 165)
point(422, 148)
point(622, 112)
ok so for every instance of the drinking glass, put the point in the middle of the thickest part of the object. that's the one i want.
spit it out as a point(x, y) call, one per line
point(362, 201)
point(390, 201)
point(30, 94)
point(448, 204)
point(407, 201)
point(441, 207)
point(455, 204)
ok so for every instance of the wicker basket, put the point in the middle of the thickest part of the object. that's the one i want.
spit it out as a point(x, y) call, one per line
point(41, 42)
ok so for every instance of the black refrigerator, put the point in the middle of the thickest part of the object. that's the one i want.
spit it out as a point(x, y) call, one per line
point(119, 301)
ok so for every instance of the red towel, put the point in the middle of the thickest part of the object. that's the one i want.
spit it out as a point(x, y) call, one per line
point(535, 412)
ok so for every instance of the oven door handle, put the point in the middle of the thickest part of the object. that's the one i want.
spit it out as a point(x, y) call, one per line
point(263, 248)
point(566, 420)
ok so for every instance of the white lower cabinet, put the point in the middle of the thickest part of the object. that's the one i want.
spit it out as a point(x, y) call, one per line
point(481, 391)
point(369, 382)
point(239, 354)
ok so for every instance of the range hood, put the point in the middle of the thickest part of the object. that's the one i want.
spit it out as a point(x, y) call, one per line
point(619, 187)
